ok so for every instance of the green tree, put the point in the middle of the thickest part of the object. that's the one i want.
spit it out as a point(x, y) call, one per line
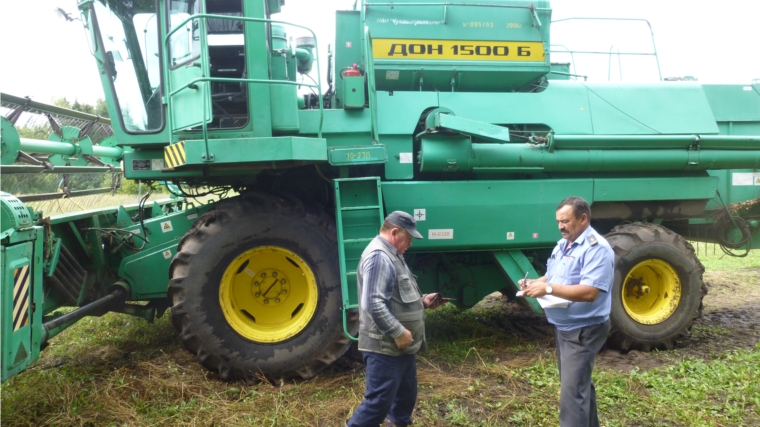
point(61, 102)
point(85, 108)
point(34, 132)
point(100, 108)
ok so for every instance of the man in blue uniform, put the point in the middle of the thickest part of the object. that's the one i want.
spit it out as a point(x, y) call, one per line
point(580, 270)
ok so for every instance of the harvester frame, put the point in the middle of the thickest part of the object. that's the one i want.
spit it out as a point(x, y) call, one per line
point(475, 132)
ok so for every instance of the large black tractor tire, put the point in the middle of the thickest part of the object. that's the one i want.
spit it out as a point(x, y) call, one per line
point(658, 289)
point(255, 287)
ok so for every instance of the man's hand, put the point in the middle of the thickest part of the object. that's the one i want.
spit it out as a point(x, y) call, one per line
point(404, 340)
point(435, 300)
point(533, 288)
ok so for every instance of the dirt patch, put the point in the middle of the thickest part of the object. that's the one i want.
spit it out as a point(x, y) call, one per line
point(731, 320)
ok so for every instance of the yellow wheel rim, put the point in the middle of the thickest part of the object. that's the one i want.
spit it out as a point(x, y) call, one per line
point(268, 294)
point(651, 292)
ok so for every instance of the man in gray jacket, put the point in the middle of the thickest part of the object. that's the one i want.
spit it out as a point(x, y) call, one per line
point(391, 325)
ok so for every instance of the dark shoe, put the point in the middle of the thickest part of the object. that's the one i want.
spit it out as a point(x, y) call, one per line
point(389, 423)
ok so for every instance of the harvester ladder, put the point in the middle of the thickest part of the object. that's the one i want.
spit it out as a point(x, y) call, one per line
point(358, 215)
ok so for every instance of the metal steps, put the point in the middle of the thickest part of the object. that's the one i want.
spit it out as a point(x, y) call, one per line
point(358, 215)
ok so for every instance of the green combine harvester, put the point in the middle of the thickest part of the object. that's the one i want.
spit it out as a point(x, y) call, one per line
point(452, 112)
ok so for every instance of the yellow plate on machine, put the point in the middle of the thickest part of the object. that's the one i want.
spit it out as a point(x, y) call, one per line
point(174, 155)
point(458, 50)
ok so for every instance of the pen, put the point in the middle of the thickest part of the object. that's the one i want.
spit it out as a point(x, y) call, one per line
point(525, 280)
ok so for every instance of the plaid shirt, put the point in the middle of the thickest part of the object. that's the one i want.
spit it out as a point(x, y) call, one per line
point(379, 277)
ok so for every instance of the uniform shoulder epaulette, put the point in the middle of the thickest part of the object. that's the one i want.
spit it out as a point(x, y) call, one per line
point(592, 239)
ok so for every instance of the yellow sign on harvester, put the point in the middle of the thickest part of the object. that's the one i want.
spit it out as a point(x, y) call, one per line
point(461, 50)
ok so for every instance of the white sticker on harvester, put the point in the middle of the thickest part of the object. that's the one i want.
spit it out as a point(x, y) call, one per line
point(743, 178)
point(156, 164)
point(391, 75)
point(167, 254)
point(446, 233)
point(193, 216)
point(250, 272)
point(405, 157)
point(166, 226)
point(419, 214)
point(510, 235)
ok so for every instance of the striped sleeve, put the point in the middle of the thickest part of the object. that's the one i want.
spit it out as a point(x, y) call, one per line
point(379, 277)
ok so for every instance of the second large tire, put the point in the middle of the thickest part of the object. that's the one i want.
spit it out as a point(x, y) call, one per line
point(657, 290)
point(255, 287)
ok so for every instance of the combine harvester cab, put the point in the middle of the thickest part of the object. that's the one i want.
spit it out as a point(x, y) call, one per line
point(452, 112)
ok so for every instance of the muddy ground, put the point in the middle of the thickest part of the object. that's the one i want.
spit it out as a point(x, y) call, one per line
point(731, 320)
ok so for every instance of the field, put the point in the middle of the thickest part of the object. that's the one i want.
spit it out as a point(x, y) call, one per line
point(493, 365)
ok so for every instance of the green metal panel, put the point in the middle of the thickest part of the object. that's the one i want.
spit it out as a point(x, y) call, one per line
point(416, 45)
point(353, 92)
point(139, 162)
point(338, 123)
point(257, 64)
point(576, 108)
point(470, 127)
point(237, 151)
point(635, 189)
point(638, 109)
point(284, 99)
point(147, 270)
point(348, 49)
point(13, 214)
point(464, 20)
point(516, 265)
point(20, 304)
point(563, 106)
point(192, 112)
point(367, 154)
point(400, 163)
point(484, 215)
point(736, 185)
point(399, 112)
point(733, 102)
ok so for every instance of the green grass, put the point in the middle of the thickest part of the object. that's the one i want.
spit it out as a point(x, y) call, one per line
point(713, 258)
point(488, 366)
point(120, 371)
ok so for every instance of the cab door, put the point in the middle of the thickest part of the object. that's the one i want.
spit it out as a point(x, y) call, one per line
point(191, 106)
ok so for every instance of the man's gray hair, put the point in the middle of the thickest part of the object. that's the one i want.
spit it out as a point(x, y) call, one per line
point(579, 205)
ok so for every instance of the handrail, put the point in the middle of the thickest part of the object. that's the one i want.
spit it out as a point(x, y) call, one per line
point(536, 20)
point(651, 33)
point(572, 56)
point(204, 50)
point(371, 86)
point(609, 63)
point(531, 8)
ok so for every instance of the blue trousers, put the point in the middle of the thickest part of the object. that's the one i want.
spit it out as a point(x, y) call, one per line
point(391, 390)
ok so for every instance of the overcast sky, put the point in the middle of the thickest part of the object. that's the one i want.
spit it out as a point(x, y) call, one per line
point(716, 42)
